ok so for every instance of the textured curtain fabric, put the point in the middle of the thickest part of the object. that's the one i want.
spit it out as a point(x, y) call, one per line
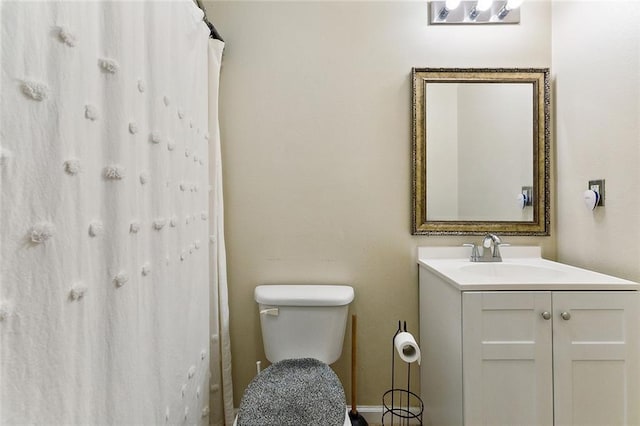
point(221, 385)
point(104, 220)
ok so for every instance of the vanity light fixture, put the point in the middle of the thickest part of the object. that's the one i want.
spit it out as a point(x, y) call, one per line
point(449, 5)
point(508, 7)
point(481, 6)
point(475, 12)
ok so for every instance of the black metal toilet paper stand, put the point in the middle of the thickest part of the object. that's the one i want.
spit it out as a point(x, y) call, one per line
point(401, 404)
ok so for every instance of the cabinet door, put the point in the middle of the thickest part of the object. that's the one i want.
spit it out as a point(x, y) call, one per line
point(596, 358)
point(507, 358)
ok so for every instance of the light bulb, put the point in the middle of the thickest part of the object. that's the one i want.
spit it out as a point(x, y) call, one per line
point(513, 4)
point(483, 5)
point(509, 6)
point(451, 4)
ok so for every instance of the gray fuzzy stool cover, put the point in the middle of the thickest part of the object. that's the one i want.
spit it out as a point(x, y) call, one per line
point(300, 392)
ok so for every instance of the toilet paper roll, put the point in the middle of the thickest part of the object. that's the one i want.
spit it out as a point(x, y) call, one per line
point(407, 347)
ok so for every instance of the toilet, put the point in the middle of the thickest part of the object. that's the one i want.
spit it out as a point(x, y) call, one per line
point(303, 330)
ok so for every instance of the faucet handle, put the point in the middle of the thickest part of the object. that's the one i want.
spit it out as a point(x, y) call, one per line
point(474, 251)
point(491, 239)
point(496, 248)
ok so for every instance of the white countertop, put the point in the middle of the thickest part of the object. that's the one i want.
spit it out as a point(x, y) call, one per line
point(522, 268)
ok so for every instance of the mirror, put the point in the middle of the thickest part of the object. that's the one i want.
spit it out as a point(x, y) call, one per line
point(480, 151)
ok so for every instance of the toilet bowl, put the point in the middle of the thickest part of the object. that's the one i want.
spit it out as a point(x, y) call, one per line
point(303, 330)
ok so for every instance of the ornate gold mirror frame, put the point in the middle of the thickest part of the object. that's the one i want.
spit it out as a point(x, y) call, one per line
point(539, 80)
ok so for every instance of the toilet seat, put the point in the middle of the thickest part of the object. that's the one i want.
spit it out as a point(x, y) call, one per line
point(294, 392)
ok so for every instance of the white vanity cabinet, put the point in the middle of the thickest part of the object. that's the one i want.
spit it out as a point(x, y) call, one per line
point(547, 357)
point(560, 349)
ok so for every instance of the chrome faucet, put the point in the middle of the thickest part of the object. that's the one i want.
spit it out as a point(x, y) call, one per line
point(490, 249)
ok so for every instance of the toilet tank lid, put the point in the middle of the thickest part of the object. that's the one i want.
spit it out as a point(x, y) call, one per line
point(304, 295)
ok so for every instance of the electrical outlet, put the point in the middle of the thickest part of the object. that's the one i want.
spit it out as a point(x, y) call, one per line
point(598, 186)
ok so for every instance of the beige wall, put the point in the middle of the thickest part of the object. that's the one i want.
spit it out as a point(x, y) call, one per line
point(316, 132)
point(597, 92)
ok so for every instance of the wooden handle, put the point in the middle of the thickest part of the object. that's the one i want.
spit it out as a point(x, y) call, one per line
point(353, 363)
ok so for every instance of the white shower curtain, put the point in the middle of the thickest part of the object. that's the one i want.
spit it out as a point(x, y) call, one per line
point(104, 218)
point(221, 385)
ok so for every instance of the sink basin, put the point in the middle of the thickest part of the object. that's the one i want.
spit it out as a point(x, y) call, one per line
point(522, 268)
point(513, 271)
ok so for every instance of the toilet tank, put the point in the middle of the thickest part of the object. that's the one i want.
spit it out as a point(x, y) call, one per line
point(303, 321)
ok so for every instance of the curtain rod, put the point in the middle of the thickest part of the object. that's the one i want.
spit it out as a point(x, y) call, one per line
point(214, 34)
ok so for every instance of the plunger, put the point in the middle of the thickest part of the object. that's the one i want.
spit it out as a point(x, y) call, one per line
point(354, 416)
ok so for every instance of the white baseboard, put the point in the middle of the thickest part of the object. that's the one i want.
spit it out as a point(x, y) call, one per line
point(373, 415)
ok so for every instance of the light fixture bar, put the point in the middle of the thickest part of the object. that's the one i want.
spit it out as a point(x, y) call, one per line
point(475, 12)
point(481, 6)
point(448, 6)
point(503, 12)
